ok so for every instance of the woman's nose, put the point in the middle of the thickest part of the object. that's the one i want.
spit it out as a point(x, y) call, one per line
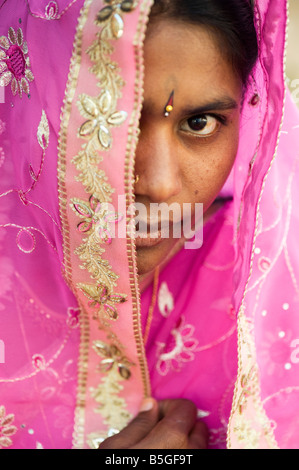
point(157, 165)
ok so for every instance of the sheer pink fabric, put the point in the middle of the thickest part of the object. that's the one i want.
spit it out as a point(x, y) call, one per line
point(224, 332)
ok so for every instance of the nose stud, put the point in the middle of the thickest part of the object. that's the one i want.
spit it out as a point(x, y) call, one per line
point(169, 105)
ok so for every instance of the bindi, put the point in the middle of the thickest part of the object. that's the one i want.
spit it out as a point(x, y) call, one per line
point(169, 105)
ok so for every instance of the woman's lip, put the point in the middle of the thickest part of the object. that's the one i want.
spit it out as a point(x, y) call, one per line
point(147, 240)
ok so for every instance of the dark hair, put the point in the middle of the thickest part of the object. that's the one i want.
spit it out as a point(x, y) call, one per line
point(231, 20)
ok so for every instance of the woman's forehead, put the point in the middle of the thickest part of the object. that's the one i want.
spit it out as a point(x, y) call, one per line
point(187, 58)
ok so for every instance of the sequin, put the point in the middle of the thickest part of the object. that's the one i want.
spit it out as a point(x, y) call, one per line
point(255, 100)
point(264, 264)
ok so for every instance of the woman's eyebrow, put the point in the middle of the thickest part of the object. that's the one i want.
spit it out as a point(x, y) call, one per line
point(222, 104)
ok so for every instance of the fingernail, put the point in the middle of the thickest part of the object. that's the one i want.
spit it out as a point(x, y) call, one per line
point(146, 405)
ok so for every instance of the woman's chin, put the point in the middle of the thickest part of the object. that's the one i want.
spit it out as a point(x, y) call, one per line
point(148, 259)
point(151, 257)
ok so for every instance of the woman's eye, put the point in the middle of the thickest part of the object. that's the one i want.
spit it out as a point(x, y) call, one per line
point(203, 125)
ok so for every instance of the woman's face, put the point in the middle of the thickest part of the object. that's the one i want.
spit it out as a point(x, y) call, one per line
point(187, 156)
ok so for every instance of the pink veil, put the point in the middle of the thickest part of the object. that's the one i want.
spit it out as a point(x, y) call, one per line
point(73, 364)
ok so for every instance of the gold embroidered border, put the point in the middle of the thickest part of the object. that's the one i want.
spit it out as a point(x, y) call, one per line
point(100, 115)
point(253, 429)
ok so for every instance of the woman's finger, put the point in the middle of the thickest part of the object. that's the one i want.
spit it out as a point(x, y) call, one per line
point(177, 419)
point(199, 436)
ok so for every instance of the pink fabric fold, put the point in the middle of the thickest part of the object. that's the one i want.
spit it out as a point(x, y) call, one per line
point(224, 331)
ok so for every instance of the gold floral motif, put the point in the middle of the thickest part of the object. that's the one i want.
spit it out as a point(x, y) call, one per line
point(96, 215)
point(112, 358)
point(43, 131)
point(110, 404)
point(113, 13)
point(7, 429)
point(100, 297)
point(43, 137)
point(107, 394)
point(100, 118)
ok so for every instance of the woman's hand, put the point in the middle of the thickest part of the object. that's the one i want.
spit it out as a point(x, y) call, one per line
point(168, 424)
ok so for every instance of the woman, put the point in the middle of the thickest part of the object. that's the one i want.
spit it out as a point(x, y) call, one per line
point(198, 123)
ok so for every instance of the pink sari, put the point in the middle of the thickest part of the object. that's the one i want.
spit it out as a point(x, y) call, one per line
point(74, 364)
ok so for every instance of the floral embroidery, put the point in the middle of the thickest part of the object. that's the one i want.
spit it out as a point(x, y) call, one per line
point(247, 435)
point(100, 118)
point(165, 300)
point(179, 349)
point(97, 214)
point(275, 352)
point(248, 421)
point(100, 297)
point(113, 12)
point(43, 137)
point(7, 429)
point(247, 390)
point(15, 63)
point(111, 404)
point(264, 264)
point(43, 131)
point(51, 11)
point(112, 358)
point(38, 362)
point(73, 317)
